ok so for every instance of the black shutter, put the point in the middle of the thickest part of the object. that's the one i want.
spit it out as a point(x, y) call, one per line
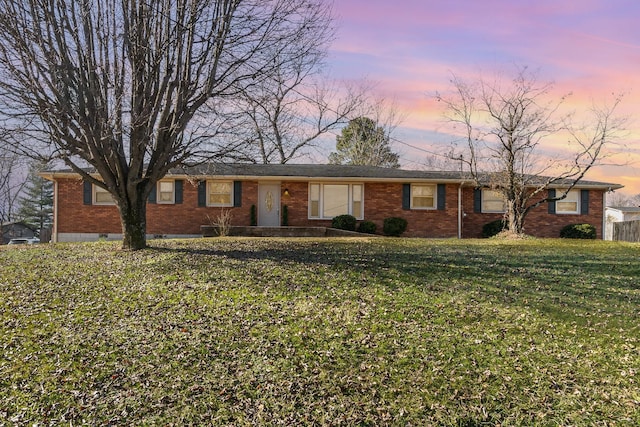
point(202, 193)
point(477, 200)
point(87, 196)
point(584, 202)
point(406, 196)
point(153, 194)
point(178, 184)
point(551, 206)
point(442, 195)
point(237, 194)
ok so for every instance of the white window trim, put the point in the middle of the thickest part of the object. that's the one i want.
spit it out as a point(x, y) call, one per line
point(94, 190)
point(484, 190)
point(567, 199)
point(173, 193)
point(359, 216)
point(219, 205)
point(435, 198)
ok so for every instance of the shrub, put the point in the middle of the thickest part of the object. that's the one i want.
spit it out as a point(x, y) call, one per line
point(578, 231)
point(253, 217)
point(394, 226)
point(492, 228)
point(367, 227)
point(344, 222)
point(285, 216)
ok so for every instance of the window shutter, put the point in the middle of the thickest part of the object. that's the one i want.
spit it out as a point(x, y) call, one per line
point(153, 194)
point(202, 193)
point(178, 184)
point(237, 194)
point(584, 202)
point(551, 206)
point(442, 196)
point(477, 200)
point(87, 196)
point(406, 196)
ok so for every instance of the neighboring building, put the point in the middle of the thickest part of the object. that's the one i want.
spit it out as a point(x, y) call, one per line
point(14, 230)
point(618, 214)
point(435, 204)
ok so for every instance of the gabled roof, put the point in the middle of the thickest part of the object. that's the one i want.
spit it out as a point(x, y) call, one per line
point(305, 172)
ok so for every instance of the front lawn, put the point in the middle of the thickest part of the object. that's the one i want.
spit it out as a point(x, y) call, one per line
point(321, 332)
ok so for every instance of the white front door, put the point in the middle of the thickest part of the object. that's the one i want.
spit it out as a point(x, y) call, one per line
point(269, 204)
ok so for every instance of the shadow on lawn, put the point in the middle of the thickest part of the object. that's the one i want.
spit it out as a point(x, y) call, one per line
point(552, 281)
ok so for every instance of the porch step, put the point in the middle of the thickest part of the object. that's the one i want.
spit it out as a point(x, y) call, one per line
point(212, 231)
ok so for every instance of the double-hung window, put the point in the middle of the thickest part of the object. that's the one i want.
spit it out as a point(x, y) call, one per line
point(423, 196)
point(166, 192)
point(330, 200)
point(492, 201)
point(102, 196)
point(220, 193)
point(570, 204)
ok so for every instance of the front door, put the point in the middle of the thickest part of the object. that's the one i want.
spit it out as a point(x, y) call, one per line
point(269, 205)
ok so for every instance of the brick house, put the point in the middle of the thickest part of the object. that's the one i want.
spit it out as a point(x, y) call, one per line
point(435, 204)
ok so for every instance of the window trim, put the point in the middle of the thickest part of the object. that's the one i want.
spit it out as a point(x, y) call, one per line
point(173, 192)
point(231, 193)
point(94, 190)
point(482, 201)
point(578, 198)
point(350, 199)
point(435, 197)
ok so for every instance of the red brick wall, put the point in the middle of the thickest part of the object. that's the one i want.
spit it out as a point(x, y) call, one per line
point(381, 200)
point(184, 218)
point(538, 222)
point(385, 200)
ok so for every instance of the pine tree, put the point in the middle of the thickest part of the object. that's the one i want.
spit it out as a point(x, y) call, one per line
point(363, 142)
point(36, 205)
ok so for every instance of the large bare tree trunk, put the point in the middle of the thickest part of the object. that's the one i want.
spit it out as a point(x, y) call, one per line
point(133, 215)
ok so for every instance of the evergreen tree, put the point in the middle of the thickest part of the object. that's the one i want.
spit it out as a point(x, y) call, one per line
point(36, 205)
point(363, 142)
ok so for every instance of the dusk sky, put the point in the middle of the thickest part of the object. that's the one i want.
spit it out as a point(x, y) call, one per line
point(409, 48)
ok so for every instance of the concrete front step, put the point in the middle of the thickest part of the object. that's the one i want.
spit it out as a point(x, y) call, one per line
point(213, 231)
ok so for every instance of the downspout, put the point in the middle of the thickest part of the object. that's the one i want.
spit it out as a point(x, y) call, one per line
point(54, 230)
point(604, 214)
point(460, 211)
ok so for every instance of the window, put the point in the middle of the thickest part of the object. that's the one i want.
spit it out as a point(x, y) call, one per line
point(166, 192)
point(330, 200)
point(423, 196)
point(220, 193)
point(102, 196)
point(570, 204)
point(492, 201)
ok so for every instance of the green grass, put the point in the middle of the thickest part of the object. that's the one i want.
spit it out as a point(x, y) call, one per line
point(321, 332)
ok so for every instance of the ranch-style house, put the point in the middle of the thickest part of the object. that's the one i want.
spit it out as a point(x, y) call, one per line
point(435, 204)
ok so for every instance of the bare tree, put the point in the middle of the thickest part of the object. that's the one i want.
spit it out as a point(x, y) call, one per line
point(127, 86)
point(504, 125)
point(283, 119)
point(619, 199)
point(12, 181)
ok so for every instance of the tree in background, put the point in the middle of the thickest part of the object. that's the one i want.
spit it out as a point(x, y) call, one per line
point(281, 115)
point(130, 88)
point(11, 184)
point(364, 142)
point(503, 123)
point(36, 202)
